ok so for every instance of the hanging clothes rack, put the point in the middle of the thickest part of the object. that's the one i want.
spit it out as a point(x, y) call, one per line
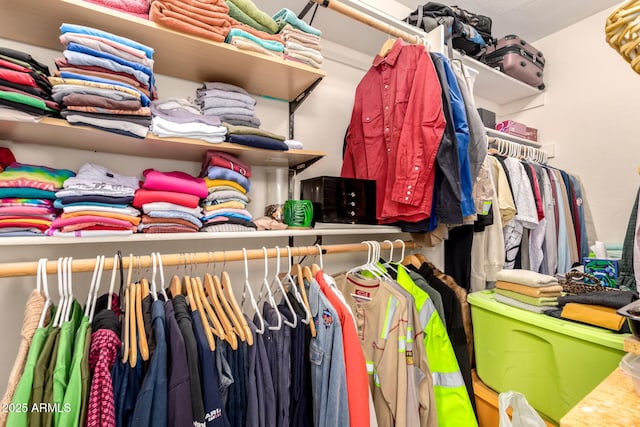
point(29, 268)
point(353, 13)
point(514, 149)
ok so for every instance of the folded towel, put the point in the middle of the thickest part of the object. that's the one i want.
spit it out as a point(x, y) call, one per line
point(304, 54)
point(257, 15)
point(276, 46)
point(539, 301)
point(259, 34)
point(139, 8)
point(178, 17)
point(220, 111)
point(301, 58)
point(286, 16)
point(546, 291)
point(203, 93)
point(526, 277)
point(257, 141)
point(302, 48)
point(520, 304)
point(246, 44)
point(605, 317)
point(291, 31)
point(246, 130)
point(227, 87)
point(215, 102)
point(238, 14)
point(293, 144)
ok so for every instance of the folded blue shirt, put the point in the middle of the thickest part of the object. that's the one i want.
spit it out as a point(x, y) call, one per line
point(227, 214)
point(144, 99)
point(176, 215)
point(216, 172)
point(267, 44)
point(286, 16)
point(81, 29)
point(89, 51)
point(74, 57)
point(58, 204)
point(257, 141)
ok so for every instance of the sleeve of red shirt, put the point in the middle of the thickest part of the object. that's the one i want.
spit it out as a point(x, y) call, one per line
point(348, 163)
point(420, 136)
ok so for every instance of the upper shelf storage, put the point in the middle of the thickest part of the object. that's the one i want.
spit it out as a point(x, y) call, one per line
point(178, 55)
point(58, 132)
point(496, 86)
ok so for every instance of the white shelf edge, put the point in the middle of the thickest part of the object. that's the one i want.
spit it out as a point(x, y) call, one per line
point(513, 138)
point(144, 238)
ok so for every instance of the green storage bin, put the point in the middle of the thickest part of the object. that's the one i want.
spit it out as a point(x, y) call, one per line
point(554, 363)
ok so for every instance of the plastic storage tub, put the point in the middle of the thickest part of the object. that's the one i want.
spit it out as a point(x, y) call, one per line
point(631, 365)
point(554, 363)
point(487, 404)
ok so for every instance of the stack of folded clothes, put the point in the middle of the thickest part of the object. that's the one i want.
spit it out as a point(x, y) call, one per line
point(181, 118)
point(246, 12)
point(27, 193)
point(170, 202)
point(96, 202)
point(225, 206)
point(230, 103)
point(115, 71)
point(596, 309)
point(139, 8)
point(246, 39)
point(302, 41)
point(209, 20)
point(25, 91)
point(527, 290)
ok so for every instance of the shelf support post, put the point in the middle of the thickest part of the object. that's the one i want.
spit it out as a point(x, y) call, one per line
point(293, 105)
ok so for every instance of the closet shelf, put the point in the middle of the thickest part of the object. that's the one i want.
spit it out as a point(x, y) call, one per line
point(58, 132)
point(165, 237)
point(513, 138)
point(496, 86)
point(177, 55)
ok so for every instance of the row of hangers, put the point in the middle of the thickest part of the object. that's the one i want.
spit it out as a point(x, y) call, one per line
point(518, 151)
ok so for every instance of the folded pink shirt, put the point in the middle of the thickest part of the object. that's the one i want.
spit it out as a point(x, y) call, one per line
point(26, 210)
point(176, 181)
point(102, 220)
point(143, 196)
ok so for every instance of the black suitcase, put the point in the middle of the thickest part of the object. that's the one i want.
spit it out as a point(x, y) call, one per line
point(341, 200)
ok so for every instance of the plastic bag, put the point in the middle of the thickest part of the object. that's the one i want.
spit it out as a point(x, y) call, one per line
point(523, 414)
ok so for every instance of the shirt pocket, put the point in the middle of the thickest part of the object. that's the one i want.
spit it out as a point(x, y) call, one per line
point(316, 355)
point(372, 126)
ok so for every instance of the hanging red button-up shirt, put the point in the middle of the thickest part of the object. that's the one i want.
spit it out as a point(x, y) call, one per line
point(395, 131)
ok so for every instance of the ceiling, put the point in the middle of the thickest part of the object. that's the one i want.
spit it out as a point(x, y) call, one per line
point(530, 19)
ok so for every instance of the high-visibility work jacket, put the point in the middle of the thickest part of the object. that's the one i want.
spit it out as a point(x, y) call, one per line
point(452, 400)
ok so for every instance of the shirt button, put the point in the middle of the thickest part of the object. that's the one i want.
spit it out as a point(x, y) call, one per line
point(386, 86)
point(367, 118)
point(386, 129)
point(386, 107)
point(388, 149)
point(409, 186)
point(408, 192)
point(416, 168)
point(406, 198)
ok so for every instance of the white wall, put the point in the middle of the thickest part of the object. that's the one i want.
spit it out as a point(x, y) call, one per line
point(320, 124)
point(591, 114)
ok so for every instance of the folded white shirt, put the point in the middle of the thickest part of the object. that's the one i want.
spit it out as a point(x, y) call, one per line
point(91, 175)
point(130, 211)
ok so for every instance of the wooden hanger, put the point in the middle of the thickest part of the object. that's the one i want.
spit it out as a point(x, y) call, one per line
point(196, 306)
point(300, 279)
point(125, 326)
point(386, 46)
point(133, 339)
point(142, 335)
point(217, 324)
point(214, 289)
point(175, 287)
point(226, 287)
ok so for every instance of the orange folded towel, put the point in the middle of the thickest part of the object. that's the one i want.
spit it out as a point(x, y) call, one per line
point(544, 291)
point(189, 20)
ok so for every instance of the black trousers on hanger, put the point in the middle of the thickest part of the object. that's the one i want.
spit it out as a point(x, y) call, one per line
point(457, 255)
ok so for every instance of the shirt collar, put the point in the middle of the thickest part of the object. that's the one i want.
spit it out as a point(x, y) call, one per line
point(391, 57)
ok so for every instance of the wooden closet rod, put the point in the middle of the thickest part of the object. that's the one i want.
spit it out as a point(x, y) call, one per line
point(18, 269)
point(368, 20)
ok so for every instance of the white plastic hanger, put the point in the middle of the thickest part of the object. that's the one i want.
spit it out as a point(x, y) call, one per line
point(296, 292)
point(87, 306)
point(247, 288)
point(367, 265)
point(96, 289)
point(161, 270)
point(67, 313)
point(269, 295)
point(389, 263)
point(116, 261)
point(62, 264)
point(280, 287)
point(42, 276)
point(154, 271)
point(320, 256)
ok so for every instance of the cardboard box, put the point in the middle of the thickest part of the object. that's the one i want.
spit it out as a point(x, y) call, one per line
point(604, 269)
point(532, 134)
point(512, 128)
